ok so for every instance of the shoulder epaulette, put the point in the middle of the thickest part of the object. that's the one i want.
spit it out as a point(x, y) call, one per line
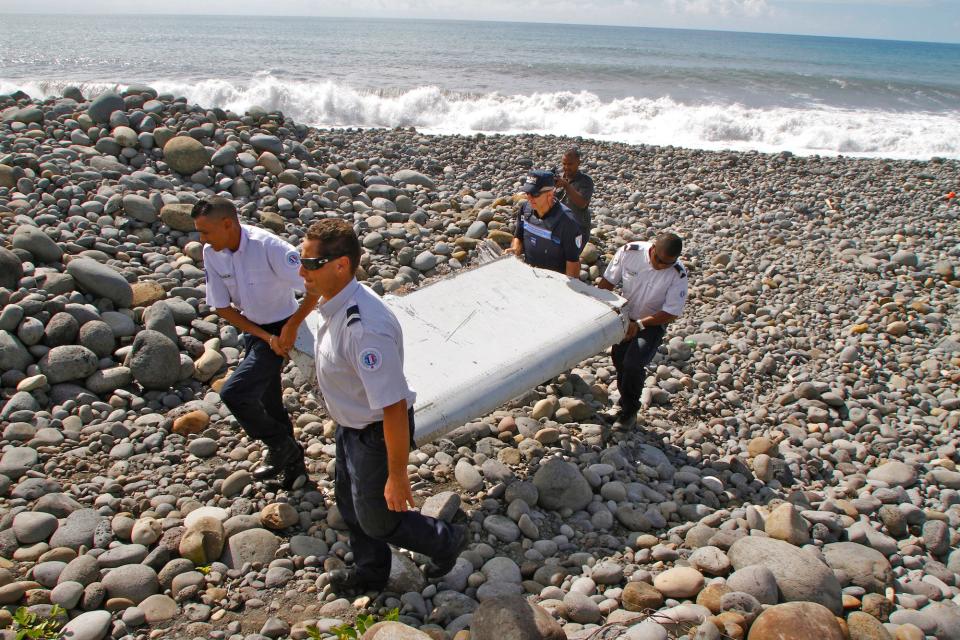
point(680, 270)
point(633, 246)
point(353, 315)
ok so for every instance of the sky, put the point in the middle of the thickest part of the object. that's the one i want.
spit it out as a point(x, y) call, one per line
point(929, 20)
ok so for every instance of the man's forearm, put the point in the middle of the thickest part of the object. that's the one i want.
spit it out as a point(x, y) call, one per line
point(573, 269)
point(396, 435)
point(308, 304)
point(660, 317)
point(574, 196)
point(238, 320)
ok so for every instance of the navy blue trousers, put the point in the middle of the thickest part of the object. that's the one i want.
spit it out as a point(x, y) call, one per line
point(254, 394)
point(631, 359)
point(361, 475)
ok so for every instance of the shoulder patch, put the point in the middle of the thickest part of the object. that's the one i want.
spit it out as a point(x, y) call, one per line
point(680, 270)
point(633, 246)
point(370, 359)
point(353, 314)
point(293, 258)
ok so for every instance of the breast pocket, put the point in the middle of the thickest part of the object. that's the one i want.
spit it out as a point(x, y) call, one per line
point(629, 278)
point(261, 277)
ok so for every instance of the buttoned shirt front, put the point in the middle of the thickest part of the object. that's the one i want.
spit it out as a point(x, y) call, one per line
point(647, 290)
point(259, 278)
point(359, 357)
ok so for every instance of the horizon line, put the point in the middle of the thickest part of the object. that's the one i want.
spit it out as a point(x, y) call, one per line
point(481, 20)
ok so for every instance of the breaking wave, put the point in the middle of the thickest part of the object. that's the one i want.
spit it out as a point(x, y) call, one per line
point(658, 121)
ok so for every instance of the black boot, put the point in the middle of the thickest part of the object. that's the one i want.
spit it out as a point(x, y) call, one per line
point(347, 582)
point(279, 457)
point(294, 471)
point(442, 565)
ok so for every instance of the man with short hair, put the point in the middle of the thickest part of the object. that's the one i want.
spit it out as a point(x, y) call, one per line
point(546, 234)
point(575, 189)
point(251, 279)
point(359, 358)
point(654, 282)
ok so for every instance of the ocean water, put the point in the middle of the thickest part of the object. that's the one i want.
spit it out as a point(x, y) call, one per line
point(701, 89)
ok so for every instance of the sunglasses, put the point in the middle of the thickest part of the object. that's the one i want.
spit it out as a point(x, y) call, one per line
point(312, 264)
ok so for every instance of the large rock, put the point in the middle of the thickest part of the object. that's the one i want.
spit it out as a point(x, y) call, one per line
point(77, 530)
point(796, 621)
point(561, 485)
point(409, 176)
point(9, 175)
point(91, 625)
point(894, 473)
point(11, 270)
point(866, 567)
point(800, 575)
point(177, 217)
point(13, 354)
point(139, 208)
point(68, 362)
point(393, 631)
point(101, 281)
point(154, 360)
point(103, 105)
point(252, 545)
point(264, 142)
point(185, 155)
point(513, 617)
point(135, 582)
point(785, 523)
point(40, 245)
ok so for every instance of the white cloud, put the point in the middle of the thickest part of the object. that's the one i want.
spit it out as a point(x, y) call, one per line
point(750, 8)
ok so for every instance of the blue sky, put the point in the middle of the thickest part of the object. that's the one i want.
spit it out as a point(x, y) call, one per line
point(933, 20)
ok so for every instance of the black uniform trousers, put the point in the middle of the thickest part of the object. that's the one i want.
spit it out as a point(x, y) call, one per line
point(630, 358)
point(361, 475)
point(254, 393)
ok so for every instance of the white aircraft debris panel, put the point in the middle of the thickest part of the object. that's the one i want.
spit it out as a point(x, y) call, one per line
point(477, 339)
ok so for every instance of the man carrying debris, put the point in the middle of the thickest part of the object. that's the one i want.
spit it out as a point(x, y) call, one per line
point(655, 286)
point(251, 279)
point(547, 235)
point(359, 359)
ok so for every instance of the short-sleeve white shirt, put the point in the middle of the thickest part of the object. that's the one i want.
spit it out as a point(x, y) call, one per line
point(260, 278)
point(647, 290)
point(359, 357)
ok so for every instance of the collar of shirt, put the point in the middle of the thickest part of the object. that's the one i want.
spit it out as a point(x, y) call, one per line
point(330, 307)
point(551, 218)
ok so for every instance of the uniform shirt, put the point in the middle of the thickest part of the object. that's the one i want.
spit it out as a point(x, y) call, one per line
point(359, 357)
point(583, 185)
point(549, 242)
point(259, 278)
point(646, 289)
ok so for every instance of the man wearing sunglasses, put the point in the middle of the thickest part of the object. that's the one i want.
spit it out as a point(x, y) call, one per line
point(251, 278)
point(359, 357)
point(547, 235)
point(655, 285)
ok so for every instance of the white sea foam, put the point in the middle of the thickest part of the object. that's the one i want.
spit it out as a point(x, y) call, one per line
point(663, 121)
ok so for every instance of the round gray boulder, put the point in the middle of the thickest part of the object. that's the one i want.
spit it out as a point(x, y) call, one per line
point(103, 105)
point(11, 270)
point(39, 244)
point(102, 281)
point(97, 336)
point(68, 362)
point(561, 485)
point(133, 581)
point(13, 354)
point(185, 155)
point(154, 360)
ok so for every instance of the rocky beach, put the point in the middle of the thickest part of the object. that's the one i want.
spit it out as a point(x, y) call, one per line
point(792, 476)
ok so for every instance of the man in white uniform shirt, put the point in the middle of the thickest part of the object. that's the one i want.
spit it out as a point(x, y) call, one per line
point(359, 356)
point(251, 278)
point(655, 285)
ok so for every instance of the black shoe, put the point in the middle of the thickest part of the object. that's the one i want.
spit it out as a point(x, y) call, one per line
point(442, 565)
point(347, 581)
point(293, 472)
point(278, 458)
point(625, 420)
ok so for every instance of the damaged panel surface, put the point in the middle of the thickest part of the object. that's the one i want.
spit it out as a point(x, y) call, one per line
point(477, 339)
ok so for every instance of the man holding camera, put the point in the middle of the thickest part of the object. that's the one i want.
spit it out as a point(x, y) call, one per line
point(547, 235)
point(655, 286)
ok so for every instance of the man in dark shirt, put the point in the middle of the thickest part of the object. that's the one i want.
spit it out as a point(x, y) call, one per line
point(547, 235)
point(575, 189)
